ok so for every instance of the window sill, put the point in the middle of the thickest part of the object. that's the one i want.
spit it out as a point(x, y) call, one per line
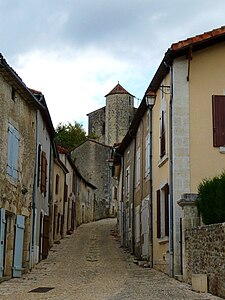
point(163, 240)
point(163, 160)
point(222, 150)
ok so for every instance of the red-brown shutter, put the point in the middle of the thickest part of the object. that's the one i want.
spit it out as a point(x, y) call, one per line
point(166, 190)
point(43, 172)
point(158, 214)
point(218, 107)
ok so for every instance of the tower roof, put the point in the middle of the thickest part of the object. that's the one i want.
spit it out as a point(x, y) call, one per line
point(118, 89)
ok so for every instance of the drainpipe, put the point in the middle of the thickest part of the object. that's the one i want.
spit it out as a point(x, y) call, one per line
point(171, 224)
point(133, 214)
point(122, 206)
point(150, 189)
point(32, 233)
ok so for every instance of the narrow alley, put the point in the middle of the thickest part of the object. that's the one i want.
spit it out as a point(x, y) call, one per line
point(90, 264)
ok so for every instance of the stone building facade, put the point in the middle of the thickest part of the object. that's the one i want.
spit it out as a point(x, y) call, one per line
point(18, 151)
point(91, 160)
point(111, 123)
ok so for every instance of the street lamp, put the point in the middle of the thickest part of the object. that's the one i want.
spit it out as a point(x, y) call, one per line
point(150, 99)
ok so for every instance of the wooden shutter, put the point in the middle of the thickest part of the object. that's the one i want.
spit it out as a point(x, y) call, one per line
point(43, 172)
point(218, 103)
point(166, 190)
point(13, 151)
point(158, 214)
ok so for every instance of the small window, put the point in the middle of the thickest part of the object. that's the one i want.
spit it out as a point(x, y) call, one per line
point(66, 193)
point(127, 181)
point(103, 128)
point(13, 94)
point(57, 184)
point(88, 198)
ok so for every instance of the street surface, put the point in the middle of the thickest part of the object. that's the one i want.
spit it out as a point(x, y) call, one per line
point(89, 265)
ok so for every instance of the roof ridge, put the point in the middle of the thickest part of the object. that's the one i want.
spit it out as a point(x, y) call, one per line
point(199, 38)
point(118, 89)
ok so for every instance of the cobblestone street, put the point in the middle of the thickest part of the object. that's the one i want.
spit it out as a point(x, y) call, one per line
point(91, 265)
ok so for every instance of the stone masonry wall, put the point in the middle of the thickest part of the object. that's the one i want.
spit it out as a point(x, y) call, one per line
point(91, 160)
point(205, 254)
point(96, 124)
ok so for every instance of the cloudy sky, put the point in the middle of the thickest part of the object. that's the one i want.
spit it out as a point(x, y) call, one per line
point(75, 52)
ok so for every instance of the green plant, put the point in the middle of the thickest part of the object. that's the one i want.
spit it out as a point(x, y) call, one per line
point(70, 135)
point(211, 202)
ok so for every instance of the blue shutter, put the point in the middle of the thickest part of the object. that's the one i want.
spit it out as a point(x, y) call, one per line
point(10, 150)
point(18, 248)
point(2, 240)
point(13, 149)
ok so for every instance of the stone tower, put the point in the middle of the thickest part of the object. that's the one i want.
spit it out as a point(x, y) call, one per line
point(111, 123)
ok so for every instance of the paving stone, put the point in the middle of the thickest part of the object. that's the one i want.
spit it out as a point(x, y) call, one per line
point(91, 265)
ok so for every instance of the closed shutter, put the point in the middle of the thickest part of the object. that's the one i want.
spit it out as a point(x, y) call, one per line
point(218, 103)
point(13, 150)
point(166, 189)
point(18, 246)
point(158, 214)
point(43, 172)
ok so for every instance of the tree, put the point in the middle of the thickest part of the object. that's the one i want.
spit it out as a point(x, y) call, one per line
point(70, 135)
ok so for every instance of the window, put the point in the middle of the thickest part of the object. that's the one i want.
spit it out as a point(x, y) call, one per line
point(218, 103)
point(138, 166)
point(57, 184)
point(162, 198)
point(88, 198)
point(115, 193)
point(103, 128)
point(13, 151)
point(78, 185)
point(43, 173)
point(127, 181)
point(13, 94)
point(66, 193)
point(147, 155)
point(73, 182)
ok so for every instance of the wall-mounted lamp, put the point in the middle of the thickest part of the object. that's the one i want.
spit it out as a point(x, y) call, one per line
point(150, 98)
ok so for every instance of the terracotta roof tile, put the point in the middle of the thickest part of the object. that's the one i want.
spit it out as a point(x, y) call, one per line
point(118, 89)
point(199, 38)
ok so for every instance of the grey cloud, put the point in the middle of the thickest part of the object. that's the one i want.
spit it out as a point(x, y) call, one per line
point(129, 29)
